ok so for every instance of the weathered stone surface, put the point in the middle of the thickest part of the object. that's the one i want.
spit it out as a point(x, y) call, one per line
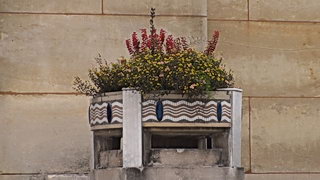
point(22, 177)
point(68, 177)
point(194, 173)
point(282, 176)
point(163, 7)
point(111, 158)
point(284, 135)
point(170, 173)
point(289, 10)
point(245, 144)
point(185, 157)
point(271, 59)
point(228, 9)
point(45, 133)
point(48, 6)
point(44, 53)
point(111, 173)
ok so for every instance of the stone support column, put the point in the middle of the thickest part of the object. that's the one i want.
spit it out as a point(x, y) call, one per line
point(235, 132)
point(132, 129)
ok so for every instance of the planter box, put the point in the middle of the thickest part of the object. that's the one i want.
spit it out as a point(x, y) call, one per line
point(166, 131)
point(107, 109)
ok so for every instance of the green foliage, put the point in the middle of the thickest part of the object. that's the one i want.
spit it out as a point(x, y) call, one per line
point(189, 72)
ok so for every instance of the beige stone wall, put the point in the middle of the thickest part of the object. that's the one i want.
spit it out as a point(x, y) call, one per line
point(272, 47)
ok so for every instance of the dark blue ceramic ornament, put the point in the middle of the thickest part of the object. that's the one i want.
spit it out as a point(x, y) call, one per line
point(219, 111)
point(159, 110)
point(109, 113)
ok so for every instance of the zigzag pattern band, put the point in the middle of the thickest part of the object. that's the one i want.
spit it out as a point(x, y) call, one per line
point(226, 111)
point(100, 114)
point(184, 111)
point(172, 111)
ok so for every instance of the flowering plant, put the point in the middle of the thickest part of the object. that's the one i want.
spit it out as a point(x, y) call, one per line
point(159, 62)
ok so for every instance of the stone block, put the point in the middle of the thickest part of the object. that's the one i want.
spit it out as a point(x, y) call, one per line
point(194, 173)
point(111, 158)
point(48, 6)
point(271, 59)
point(163, 7)
point(185, 157)
point(44, 53)
point(282, 176)
point(68, 177)
point(284, 135)
point(245, 143)
point(23, 177)
point(228, 9)
point(106, 174)
point(289, 10)
point(170, 173)
point(44, 134)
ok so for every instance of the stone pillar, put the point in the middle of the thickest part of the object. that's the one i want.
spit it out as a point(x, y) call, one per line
point(132, 129)
point(202, 143)
point(235, 132)
point(146, 147)
point(92, 150)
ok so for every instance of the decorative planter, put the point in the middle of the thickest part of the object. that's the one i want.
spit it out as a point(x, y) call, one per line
point(174, 108)
point(132, 131)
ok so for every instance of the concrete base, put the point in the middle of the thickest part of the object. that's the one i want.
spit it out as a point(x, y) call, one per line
point(185, 157)
point(169, 173)
point(110, 158)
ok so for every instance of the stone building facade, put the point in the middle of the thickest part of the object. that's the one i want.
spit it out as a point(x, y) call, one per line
point(272, 46)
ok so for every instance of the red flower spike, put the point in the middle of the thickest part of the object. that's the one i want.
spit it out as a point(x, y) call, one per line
point(144, 34)
point(162, 35)
point(144, 37)
point(148, 43)
point(212, 44)
point(129, 46)
point(169, 44)
point(153, 31)
point(135, 42)
point(215, 38)
point(157, 40)
point(153, 41)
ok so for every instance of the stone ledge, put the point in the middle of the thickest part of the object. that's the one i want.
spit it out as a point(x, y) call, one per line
point(45, 177)
point(170, 173)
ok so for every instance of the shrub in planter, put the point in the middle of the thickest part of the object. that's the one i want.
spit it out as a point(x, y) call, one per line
point(160, 63)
